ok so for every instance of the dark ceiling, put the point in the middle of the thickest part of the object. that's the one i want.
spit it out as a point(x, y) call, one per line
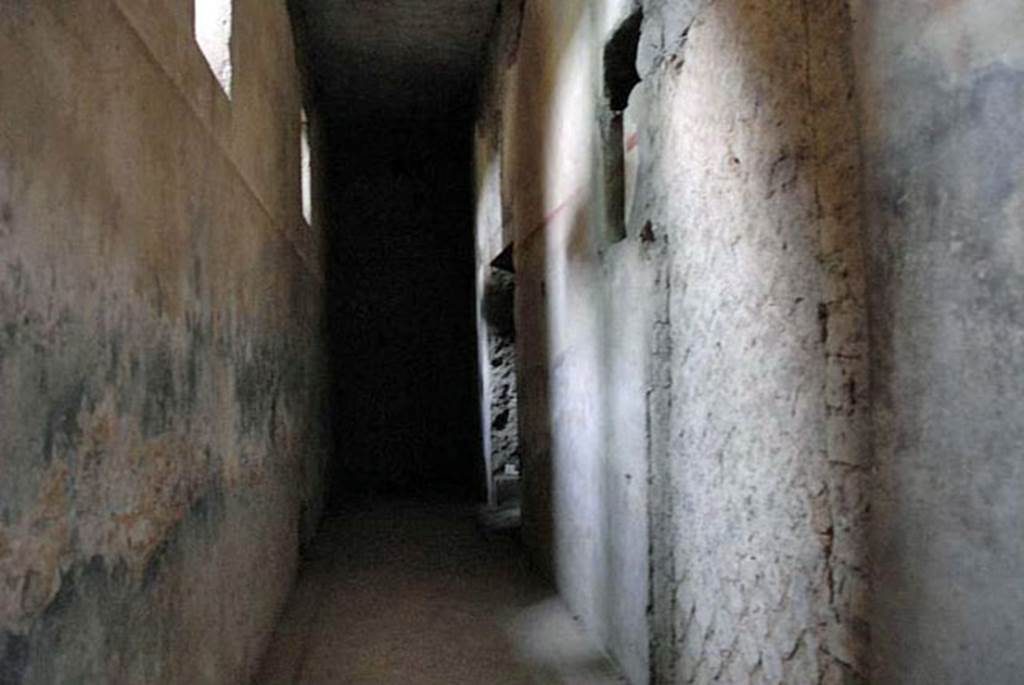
point(393, 58)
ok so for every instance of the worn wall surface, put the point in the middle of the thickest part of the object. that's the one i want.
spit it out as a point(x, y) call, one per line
point(753, 182)
point(160, 358)
point(693, 398)
point(941, 95)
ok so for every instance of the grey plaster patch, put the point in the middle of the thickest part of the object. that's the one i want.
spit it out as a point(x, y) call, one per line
point(15, 653)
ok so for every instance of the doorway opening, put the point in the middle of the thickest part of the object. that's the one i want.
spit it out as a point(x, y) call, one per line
point(499, 313)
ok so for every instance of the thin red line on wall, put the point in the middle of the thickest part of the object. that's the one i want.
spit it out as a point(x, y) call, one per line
point(554, 213)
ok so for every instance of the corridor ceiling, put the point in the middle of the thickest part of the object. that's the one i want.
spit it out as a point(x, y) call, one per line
point(388, 58)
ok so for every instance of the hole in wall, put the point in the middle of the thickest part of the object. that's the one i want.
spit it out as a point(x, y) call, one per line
point(213, 35)
point(620, 78)
point(620, 74)
point(506, 259)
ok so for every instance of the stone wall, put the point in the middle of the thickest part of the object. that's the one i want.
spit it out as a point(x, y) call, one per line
point(161, 361)
point(503, 395)
point(752, 181)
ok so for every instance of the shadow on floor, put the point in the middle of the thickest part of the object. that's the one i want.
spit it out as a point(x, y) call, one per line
point(417, 594)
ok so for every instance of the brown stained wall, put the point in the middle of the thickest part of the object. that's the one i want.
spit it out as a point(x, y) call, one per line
point(160, 359)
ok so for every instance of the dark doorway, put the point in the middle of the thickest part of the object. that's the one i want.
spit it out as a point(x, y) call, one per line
point(401, 308)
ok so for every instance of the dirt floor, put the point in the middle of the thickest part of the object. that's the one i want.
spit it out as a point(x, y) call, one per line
point(413, 593)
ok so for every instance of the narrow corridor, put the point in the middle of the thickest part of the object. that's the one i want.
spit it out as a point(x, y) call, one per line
point(723, 298)
point(407, 592)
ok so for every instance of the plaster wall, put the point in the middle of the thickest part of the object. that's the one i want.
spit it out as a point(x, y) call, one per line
point(941, 91)
point(160, 354)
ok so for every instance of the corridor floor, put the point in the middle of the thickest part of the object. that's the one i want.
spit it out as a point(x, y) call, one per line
point(414, 594)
